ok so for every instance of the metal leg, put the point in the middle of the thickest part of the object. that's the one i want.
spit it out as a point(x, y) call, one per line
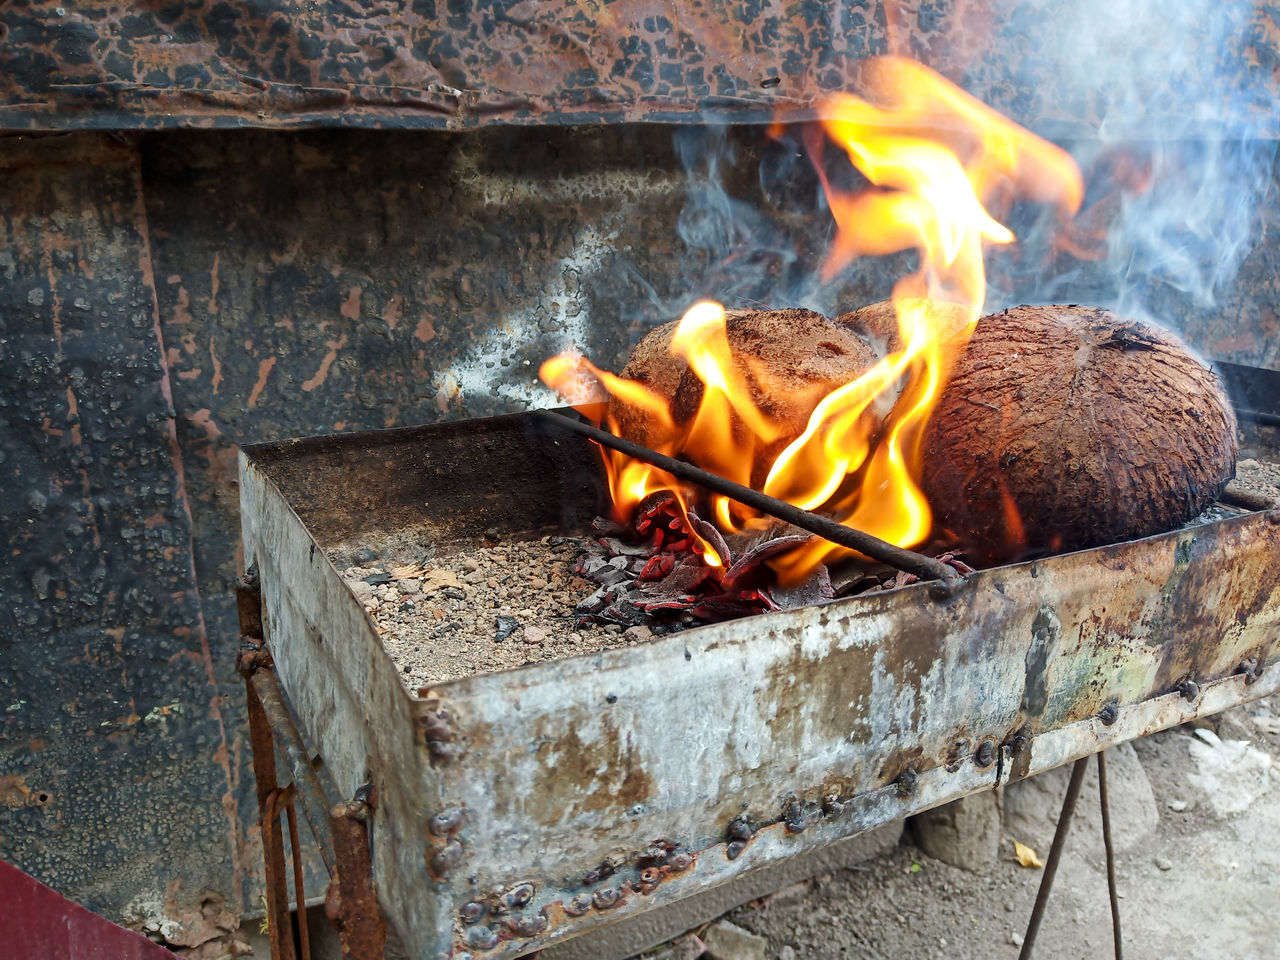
point(304, 935)
point(350, 902)
point(1055, 856)
point(264, 771)
point(1111, 855)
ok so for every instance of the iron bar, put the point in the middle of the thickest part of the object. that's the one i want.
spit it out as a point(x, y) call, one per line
point(926, 568)
point(1111, 854)
point(315, 805)
point(264, 772)
point(350, 902)
point(1055, 856)
point(295, 854)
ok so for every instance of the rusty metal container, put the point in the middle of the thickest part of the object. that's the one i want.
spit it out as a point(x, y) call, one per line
point(520, 808)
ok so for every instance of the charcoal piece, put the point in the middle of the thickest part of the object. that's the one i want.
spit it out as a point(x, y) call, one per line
point(608, 528)
point(613, 572)
point(750, 562)
point(711, 535)
point(505, 627)
point(626, 548)
point(815, 589)
point(595, 602)
point(377, 579)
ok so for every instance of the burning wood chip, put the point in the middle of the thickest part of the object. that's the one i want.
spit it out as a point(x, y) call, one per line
point(657, 570)
point(656, 573)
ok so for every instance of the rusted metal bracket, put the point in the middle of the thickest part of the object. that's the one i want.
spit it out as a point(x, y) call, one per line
point(279, 924)
point(341, 832)
point(350, 902)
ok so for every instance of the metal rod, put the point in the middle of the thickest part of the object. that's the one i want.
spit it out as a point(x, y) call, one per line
point(1111, 855)
point(315, 805)
point(264, 772)
point(1055, 856)
point(926, 568)
point(295, 854)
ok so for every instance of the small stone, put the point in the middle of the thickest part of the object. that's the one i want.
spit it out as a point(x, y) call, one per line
point(1164, 863)
point(537, 583)
point(727, 941)
point(1016, 939)
point(638, 634)
point(362, 590)
point(410, 586)
point(534, 634)
point(1177, 806)
point(366, 557)
point(787, 952)
point(470, 564)
point(526, 614)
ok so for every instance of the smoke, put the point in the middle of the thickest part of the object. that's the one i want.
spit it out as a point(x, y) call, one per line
point(1165, 107)
point(1178, 163)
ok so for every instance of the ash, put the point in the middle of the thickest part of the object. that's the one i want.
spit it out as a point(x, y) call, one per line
point(480, 610)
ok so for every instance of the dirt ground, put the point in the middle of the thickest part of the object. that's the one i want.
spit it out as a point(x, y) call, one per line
point(1197, 831)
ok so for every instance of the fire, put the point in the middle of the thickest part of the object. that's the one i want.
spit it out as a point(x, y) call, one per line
point(935, 160)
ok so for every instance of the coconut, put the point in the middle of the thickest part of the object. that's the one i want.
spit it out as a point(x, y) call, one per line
point(789, 358)
point(1066, 427)
point(877, 322)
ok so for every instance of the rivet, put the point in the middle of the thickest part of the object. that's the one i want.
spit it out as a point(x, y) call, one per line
point(441, 750)
point(527, 926)
point(681, 862)
point(1110, 713)
point(606, 897)
point(739, 829)
point(578, 905)
point(650, 875)
point(471, 911)
point(986, 754)
point(518, 896)
point(832, 805)
point(482, 938)
point(1189, 689)
point(446, 822)
point(906, 782)
point(446, 858)
point(735, 848)
point(794, 819)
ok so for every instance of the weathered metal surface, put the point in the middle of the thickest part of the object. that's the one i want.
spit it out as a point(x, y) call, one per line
point(118, 781)
point(582, 790)
point(284, 737)
point(262, 743)
point(313, 282)
point(351, 902)
point(466, 64)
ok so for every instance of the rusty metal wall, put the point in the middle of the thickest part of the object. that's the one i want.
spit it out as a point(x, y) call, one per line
point(119, 754)
point(468, 63)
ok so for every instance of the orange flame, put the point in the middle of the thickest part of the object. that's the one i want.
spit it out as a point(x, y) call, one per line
point(935, 158)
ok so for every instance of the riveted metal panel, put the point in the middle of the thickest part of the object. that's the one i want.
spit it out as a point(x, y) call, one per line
point(582, 790)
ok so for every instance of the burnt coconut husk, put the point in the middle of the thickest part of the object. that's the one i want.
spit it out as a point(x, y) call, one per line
point(790, 359)
point(1095, 428)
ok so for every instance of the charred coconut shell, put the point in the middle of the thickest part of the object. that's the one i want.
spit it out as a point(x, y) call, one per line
point(1069, 427)
point(790, 359)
